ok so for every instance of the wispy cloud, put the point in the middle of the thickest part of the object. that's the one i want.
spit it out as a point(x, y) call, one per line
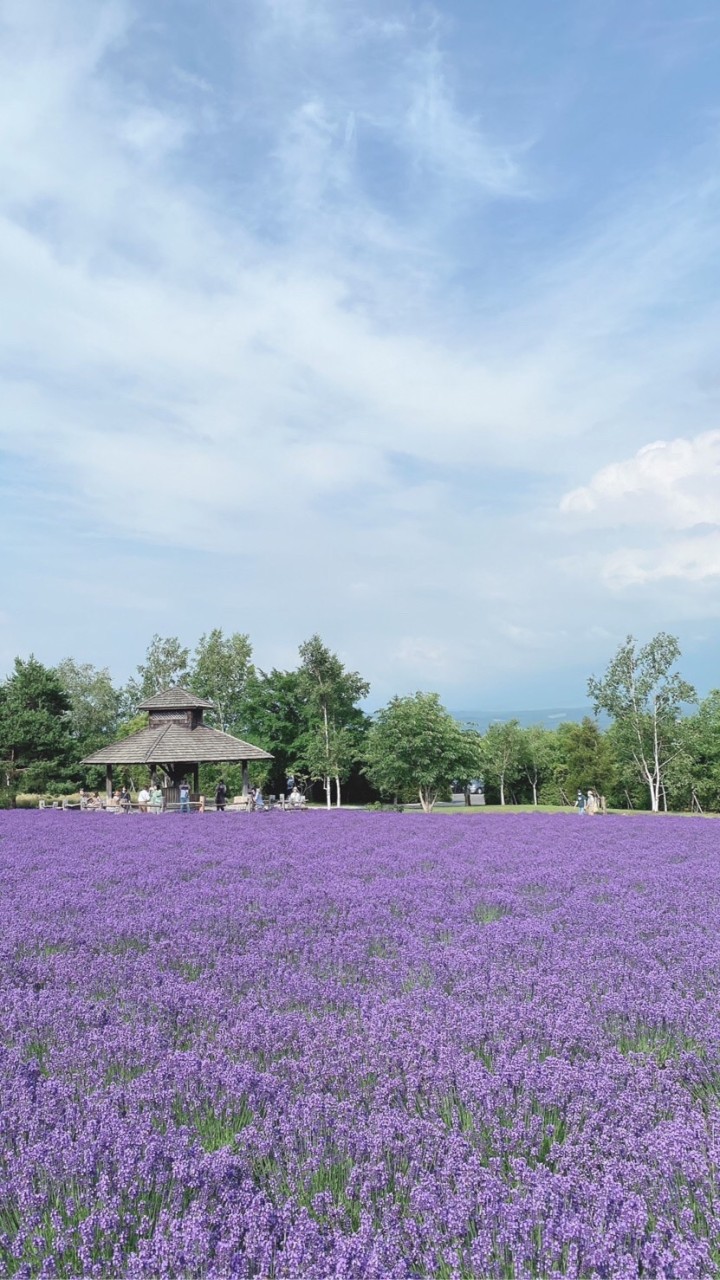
point(223, 324)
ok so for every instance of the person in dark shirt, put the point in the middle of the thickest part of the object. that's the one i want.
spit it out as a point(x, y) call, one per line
point(221, 796)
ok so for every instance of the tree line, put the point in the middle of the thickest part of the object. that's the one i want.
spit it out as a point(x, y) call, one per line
point(657, 747)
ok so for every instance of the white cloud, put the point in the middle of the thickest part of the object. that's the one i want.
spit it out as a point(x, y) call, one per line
point(674, 483)
point(687, 560)
point(667, 490)
point(447, 141)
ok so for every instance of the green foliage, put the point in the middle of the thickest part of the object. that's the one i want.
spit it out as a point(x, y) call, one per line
point(335, 724)
point(94, 711)
point(584, 758)
point(36, 745)
point(539, 756)
point(644, 696)
point(220, 672)
point(416, 746)
point(166, 663)
point(502, 751)
point(693, 774)
point(276, 714)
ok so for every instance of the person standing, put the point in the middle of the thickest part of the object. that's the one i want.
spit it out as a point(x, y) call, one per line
point(143, 799)
point(184, 796)
point(156, 800)
point(580, 802)
point(220, 796)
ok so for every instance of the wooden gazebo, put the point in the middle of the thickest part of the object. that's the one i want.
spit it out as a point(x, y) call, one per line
point(177, 742)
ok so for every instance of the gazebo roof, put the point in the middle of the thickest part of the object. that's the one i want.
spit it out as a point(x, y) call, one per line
point(175, 743)
point(174, 699)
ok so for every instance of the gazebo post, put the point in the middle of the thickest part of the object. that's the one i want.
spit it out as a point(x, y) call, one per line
point(196, 778)
point(109, 782)
point(245, 778)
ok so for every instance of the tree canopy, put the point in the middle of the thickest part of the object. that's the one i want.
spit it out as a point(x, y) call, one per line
point(416, 747)
point(36, 745)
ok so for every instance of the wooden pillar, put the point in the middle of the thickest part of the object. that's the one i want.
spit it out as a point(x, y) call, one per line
point(109, 782)
point(246, 778)
point(196, 778)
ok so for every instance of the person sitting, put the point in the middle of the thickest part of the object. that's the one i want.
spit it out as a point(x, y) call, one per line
point(295, 799)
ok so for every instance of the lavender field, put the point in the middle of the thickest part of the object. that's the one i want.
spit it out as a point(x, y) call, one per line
point(359, 1045)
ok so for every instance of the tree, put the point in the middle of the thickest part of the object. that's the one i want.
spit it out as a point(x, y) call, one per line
point(502, 753)
point(94, 704)
point(416, 746)
point(220, 673)
point(277, 719)
point(584, 757)
point(35, 740)
point(644, 697)
point(334, 720)
point(537, 755)
point(166, 664)
point(693, 775)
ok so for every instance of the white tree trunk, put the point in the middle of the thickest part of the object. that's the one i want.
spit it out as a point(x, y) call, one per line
point(502, 788)
point(326, 785)
point(338, 800)
point(427, 800)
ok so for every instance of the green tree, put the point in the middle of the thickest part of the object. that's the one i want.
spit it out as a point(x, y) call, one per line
point(416, 747)
point(584, 758)
point(94, 704)
point(644, 697)
point(220, 672)
point(166, 663)
point(693, 775)
point(335, 722)
point(36, 746)
point(538, 756)
point(276, 714)
point(502, 748)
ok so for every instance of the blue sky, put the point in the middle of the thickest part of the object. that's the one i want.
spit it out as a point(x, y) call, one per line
point(396, 322)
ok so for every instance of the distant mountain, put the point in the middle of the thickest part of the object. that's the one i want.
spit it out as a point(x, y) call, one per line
point(548, 717)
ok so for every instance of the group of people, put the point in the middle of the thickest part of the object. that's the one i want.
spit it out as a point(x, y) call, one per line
point(150, 799)
point(255, 799)
point(91, 802)
point(590, 803)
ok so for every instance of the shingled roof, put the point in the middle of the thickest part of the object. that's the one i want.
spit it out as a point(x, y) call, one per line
point(176, 743)
point(175, 699)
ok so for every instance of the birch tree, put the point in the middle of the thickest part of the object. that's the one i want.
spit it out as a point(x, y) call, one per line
point(502, 753)
point(644, 696)
point(220, 672)
point(332, 694)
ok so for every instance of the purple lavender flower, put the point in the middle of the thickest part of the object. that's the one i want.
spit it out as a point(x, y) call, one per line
point(359, 1045)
